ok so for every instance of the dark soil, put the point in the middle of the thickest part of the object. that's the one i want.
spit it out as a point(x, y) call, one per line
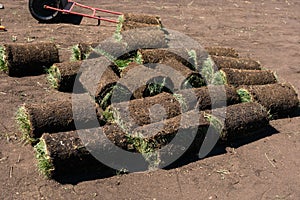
point(264, 168)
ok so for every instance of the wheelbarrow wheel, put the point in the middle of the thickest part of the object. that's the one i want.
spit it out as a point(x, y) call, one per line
point(40, 13)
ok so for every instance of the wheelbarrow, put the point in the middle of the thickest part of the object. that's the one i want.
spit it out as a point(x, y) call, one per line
point(52, 11)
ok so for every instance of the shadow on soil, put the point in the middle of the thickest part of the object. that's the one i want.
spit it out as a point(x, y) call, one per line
point(219, 149)
point(87, 175)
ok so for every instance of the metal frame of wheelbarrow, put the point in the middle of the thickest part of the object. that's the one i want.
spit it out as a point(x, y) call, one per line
point(65, 7)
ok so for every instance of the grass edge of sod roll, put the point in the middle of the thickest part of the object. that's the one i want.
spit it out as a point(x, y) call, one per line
point(23, 121)
point(54, 76)
point(3, 61)
point(215, 123)
point(244, 95)
point(146, 148)
point(76, 54)
point(44, 164)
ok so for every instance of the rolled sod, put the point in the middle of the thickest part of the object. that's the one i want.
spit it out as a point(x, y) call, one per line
point(134, 21)
point(236, 63)
point(161, 133)
point(206, 98)
point(185, 77)
point(136, 25)
point(82, 51)
point(121, 45)
point(57, 116)
point(142, 18)
point(27, 59)
point(241, 120)
point(193, 59)
point(222, 51)
point(65, 153)
point(238, 77)
point(279, 99)
point(144, 81)
point(61, 76)
point(148, 110)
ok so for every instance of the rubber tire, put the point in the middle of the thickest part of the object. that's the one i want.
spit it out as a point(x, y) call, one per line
point(37, 10)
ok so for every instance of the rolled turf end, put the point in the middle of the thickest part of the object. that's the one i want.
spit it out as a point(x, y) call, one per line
point(146, 148)
point(3, 61)
point(211, 76)
point(44, 163)
point(219, 78)
point(216, 124)
point(76, 54)
point(54, 76)
point(244, 95)
point(24, 124)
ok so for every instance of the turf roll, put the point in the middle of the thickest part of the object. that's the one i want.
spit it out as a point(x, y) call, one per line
point(222, 51)
point(149, 37)
point(148, 110)
point(238, 77)
point(179, 69)
point(68, 153)
point(162, 133)
point(236, 63)
point(144, 81)
point(241, 120)
point(64, 153)
point(133, 21)
point(121, 45)
point(138, 112)
point(206, 98)
point(61, 76)
point(57, 116)
point(279, 99)
point(27, 59)
point(142, 18)
point(136, 25)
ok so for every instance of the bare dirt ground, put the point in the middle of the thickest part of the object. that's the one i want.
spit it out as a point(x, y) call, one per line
point(267, 168)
